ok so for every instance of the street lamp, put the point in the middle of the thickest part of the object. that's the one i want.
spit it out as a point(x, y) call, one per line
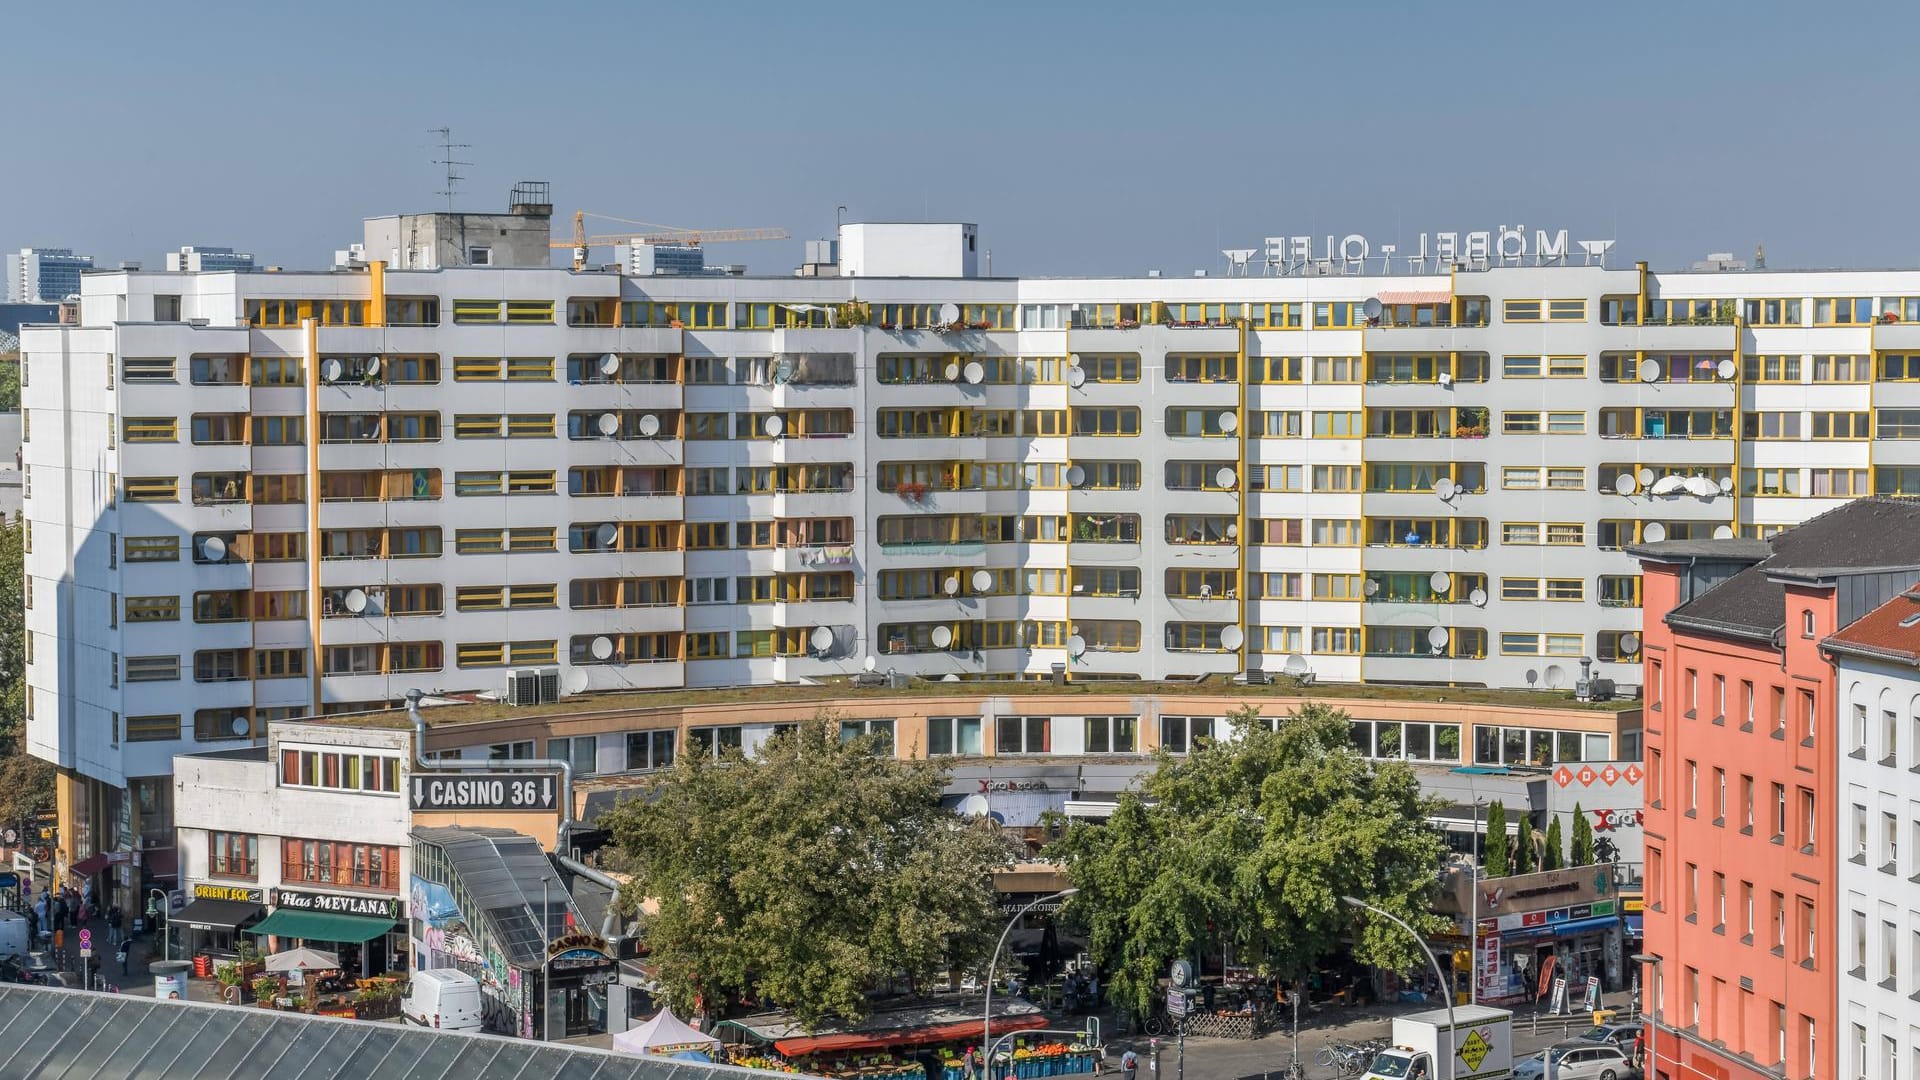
point(1657, 992)
point(157, 906)
point(1453, 1034)
point(986, 1012)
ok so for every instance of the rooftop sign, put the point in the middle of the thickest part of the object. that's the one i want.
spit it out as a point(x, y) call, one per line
point(1509, 245)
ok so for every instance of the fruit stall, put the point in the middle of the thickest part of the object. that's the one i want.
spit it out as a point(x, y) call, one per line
point(923, 1040)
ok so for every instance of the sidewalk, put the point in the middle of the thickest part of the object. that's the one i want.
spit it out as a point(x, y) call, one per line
point(138, 979)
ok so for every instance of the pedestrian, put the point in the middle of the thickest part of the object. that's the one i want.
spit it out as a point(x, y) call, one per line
point(970, 1065)
point(1129, 1065)
point(59, 913)
point(33, 927)
point(124, 955)
point(114, 916)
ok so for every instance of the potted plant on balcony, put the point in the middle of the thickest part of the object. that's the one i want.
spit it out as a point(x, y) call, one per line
point(853, 313)
point(911, 490)
point(1471, 424)
point(266, 989)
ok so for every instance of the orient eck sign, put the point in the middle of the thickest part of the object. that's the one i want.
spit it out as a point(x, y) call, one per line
point(491, 791)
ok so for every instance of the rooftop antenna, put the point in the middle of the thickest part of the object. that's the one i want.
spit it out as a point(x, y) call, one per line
point(446, 159)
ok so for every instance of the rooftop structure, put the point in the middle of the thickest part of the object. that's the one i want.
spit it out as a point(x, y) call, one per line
point(205, 259)
point(44, 275)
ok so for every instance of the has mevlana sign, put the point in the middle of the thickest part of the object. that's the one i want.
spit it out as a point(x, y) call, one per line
point(373, 907)
point(499, 791)
point(1510, 244)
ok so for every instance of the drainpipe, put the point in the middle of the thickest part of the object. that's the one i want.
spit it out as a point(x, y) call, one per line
point(608, 923)
point(517, 765)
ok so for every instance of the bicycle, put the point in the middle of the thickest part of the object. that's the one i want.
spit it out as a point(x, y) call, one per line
point(1344, 1058)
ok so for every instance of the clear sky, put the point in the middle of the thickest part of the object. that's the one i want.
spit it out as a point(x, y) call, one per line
point(1102, 138)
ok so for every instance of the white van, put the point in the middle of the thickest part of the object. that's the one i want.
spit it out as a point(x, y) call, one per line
point(443, 998)
point(13, 934)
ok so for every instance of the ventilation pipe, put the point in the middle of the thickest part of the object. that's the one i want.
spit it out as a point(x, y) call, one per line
point(420, 761)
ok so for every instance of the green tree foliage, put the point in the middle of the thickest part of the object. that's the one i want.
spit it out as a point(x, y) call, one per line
point(26, 783)
point(807, 874)
point(9, 382)
point(1582, 838)
point(1555, 855)
point(1252, 841)
point(1498, 852)
point(1523, 844)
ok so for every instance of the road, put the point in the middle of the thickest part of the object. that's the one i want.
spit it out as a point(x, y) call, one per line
point(1235, 1059)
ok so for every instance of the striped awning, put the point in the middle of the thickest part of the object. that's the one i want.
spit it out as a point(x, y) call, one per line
point(1406, 296)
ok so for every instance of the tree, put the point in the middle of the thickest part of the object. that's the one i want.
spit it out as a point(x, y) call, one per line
point(807, 874)
point(9, 382)
point(1555, 855)
point(1498, 847)
point(1582, 838)
point(1252, 841)
point(26, 787)
point(1523, 847)
point(13, 635)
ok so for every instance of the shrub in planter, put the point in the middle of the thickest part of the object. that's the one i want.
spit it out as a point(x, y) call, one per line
point(265, 989)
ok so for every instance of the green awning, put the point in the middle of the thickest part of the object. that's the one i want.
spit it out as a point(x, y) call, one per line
point(321, 926)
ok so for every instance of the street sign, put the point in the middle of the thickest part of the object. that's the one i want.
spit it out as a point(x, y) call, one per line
point(86, 952)
point(492, 791)
point(1177, 1004)
point(86, 939)
point(9, 880)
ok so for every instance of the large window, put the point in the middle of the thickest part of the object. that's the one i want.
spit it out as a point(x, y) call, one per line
point(715, 741)
point(1022, 734)
point(1183, 734)
point(1535, 746)
point(339, 771)
point(882, 730)
point(648, 750)
point(953, 735)
point(326, 862)
point(580, 751)
point(1409, 741)
point(1112, 734)
point(233, 854)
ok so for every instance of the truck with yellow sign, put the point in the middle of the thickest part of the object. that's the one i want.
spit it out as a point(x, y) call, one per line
point(1475, 1043)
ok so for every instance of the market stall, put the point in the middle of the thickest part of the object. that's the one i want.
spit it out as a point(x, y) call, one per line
point(666, 1035)
point(921, 1041)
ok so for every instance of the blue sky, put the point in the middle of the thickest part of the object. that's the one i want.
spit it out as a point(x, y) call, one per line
point(1083, 138)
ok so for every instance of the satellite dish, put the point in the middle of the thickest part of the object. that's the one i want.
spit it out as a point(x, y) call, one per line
point(213, 549)
point(1645, 476)
point(576, 681)
point(241, 725)
point(607, 534)
point(1441, 581)
point(1533, 676)
point(1206, 592)
point(373, 366)
point(1650, 371)
point(982, 580)
point(1229, 422)
point(783, 369)
point(975, 373)
point(331, 371)
point(773, 426)
point(953, 371)
point(1224, 477)
point(355, 600)
point(950, 677)
point(822, 638)
point(649, 425)
point(609, 424)
point(1723, 532)
point(1726, 483)
point(1073, 360)
point(1076, 476)
point(602, 647)
point(951, 586)
point(1233, 530)
point(609, 364)
point(1076, 645)
point(1555, 673)
point(870, 662)
point(949, 313)
point(1373, 307)
point(1625, 484)
point(1725, 369)
point(1076, 377)
point(1630, 644)
point(1232, 637)
point(1444, 488)
point(1653, 532)
point(1370, 587)
point(1478, 598)
point(942, 636)
point(1437, 637)
point(1296, 665)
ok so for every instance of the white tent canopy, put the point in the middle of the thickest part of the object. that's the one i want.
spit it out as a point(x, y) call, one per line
point(665, 1034)
point(303, 960)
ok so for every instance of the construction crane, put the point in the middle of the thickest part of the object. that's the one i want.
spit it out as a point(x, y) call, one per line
point(661, 234)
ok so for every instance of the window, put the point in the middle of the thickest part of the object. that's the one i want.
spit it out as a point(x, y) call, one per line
point(324, 862)
point(152, 489)
point(1022, 734)
point(340, 771)
point(954, 735)
point(153, 728)
point(1112, 734)
point(233, 854)
point(880, 730)
point(1520, 311)
point(650, 750)
point(1182, 734)
point(580, 751)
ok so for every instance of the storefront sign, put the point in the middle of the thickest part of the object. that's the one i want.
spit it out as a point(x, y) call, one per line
point(577, 951)
point(1013, 785)
point(230, 892)
point(372, 907)
point(493, 791)
point(1509, 245)
point(1545, 890)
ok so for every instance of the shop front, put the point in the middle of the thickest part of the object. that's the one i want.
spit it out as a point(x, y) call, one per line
point(213, 919)
point(580, 966)
point(364, 931)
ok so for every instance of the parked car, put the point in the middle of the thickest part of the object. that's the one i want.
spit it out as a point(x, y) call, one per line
point(443, 998)
point(1577, 1059)
point(1620, 1035)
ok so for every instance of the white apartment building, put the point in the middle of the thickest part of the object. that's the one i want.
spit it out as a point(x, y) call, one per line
point(44, 275)
point(1879, 843)
point(256, 495)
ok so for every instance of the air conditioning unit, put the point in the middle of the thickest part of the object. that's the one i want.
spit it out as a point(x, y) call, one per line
point(533, 686)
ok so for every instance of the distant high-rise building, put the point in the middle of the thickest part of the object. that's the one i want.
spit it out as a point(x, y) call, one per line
point(44, 275)
point(196, 259)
